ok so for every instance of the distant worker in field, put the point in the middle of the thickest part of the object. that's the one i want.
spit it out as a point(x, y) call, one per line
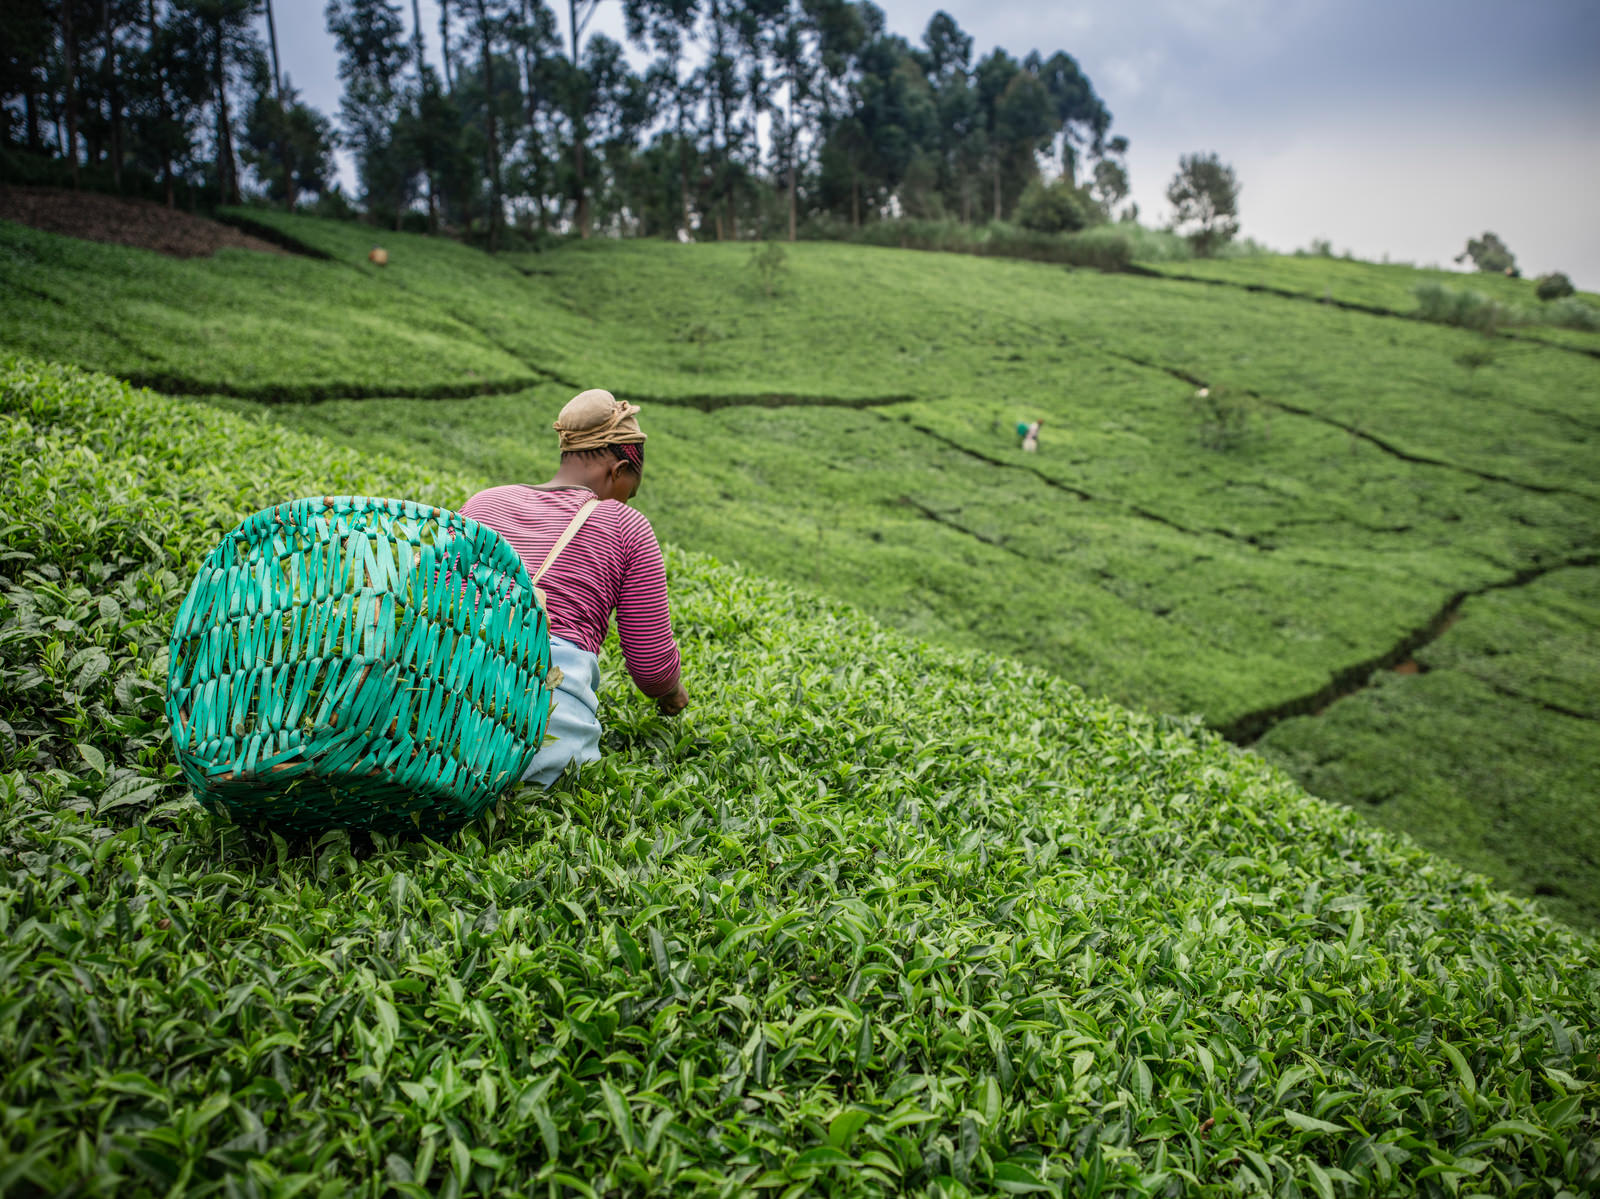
point(591, 555)
point(1030, 435)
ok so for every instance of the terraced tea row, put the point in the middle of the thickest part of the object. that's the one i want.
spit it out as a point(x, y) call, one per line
point(1247, 555)
point(873, 917)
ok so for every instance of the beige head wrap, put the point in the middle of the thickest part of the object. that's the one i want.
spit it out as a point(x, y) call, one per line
point(595, 419)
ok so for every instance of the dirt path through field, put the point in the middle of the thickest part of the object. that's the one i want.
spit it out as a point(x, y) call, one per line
point(141, 223)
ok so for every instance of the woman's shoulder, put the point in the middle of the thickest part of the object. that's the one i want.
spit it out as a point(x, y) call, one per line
point(628, 521)
point(504, 493)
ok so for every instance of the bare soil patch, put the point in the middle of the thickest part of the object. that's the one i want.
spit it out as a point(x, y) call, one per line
point(141, 223)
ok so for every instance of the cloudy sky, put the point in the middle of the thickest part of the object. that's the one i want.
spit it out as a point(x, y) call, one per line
point(1389, 127)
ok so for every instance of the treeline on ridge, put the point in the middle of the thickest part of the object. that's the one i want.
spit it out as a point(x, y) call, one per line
point(751, 117)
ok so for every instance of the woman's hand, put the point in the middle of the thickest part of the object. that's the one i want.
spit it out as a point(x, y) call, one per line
point(677, 701)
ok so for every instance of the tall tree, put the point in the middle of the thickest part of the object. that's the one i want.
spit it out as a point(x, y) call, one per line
point(69, 49)
point(288, 144)
point(425, 80)
point(666, 27)
point(27, 35)
point(1079, 114)
point(1205, 198)
point(962, 146)
point(224, 29)
point(536, 46)
point(289, 189)
point(490, 26)
point(445, 50)
point(110, 22)
point(370, 37)
point(579, 13)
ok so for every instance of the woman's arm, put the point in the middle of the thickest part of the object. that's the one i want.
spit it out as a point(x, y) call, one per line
point(644, 618)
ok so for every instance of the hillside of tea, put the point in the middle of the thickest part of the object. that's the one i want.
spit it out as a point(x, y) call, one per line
point(871, 917)
point(1369, 550)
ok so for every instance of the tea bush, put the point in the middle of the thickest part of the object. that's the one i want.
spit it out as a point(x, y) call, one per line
point(1103, 247)
point(1554, 286)
point(1401, 469)
point(871, 918)
point(1460, 306)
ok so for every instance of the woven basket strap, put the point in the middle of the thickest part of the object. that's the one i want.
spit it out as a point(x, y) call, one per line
point(561, 542)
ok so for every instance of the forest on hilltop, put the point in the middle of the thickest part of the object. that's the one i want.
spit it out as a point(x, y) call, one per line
point(750, 115)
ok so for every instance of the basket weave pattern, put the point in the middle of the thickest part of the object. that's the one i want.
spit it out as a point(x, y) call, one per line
point(345, 661)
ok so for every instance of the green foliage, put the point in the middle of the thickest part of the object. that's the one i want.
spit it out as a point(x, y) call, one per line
point(1474, 310)
point(1386, 288)
point(1517, 677)
point(1110, 185)
point(1554, 286)
point(1572, 313)
point(1489, 253)
point(1105, 248)
point(874, 917)
point(1227, 418)
point(1055, 207)
point(1204, 195)
point(882, 472)
point(1460, 306)
point(289, 145)
point(769, 262)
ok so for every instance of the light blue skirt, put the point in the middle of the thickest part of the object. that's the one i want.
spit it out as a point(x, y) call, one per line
point(574, 722)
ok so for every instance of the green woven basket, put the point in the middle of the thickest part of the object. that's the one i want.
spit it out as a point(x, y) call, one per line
point(362, 663)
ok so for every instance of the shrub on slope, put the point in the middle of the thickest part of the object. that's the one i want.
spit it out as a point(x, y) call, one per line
point(872, 917)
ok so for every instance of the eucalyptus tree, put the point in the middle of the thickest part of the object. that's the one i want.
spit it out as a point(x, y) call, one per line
point(173, 75)
point(720, 82)
point(579, 13)
point(288, 143)
point(616, 110)
point(369, 35)
point(535, 45)
point(1110, 181)
point(489, 19)
point(962, 143)
point(1081, 117)
point(666, 27)
point(841, 29)
point(223, 33)
point(27, 37)
point(1205, 198)
point(114, 16)
point(790, 41)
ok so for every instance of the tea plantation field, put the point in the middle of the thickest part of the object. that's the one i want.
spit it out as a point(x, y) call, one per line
point(1359, 491)
point(871, 917)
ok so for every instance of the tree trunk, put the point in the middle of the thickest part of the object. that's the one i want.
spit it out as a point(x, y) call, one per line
point(70, 49)
point(165, 115)
point(855, 197)
point(578, 132)
point(495, 214)
point(227, 170)
point(427, 158)
point(283, 123)
point(997, 187)
point(793, 203)
point(534, 153)
point(683, 152)
point(111, 95)
point(30, 101)
point(444, 46)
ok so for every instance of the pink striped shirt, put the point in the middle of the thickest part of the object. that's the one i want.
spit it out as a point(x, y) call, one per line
point(613, 564)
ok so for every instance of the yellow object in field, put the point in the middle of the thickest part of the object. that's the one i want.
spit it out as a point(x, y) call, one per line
point(378, 256)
